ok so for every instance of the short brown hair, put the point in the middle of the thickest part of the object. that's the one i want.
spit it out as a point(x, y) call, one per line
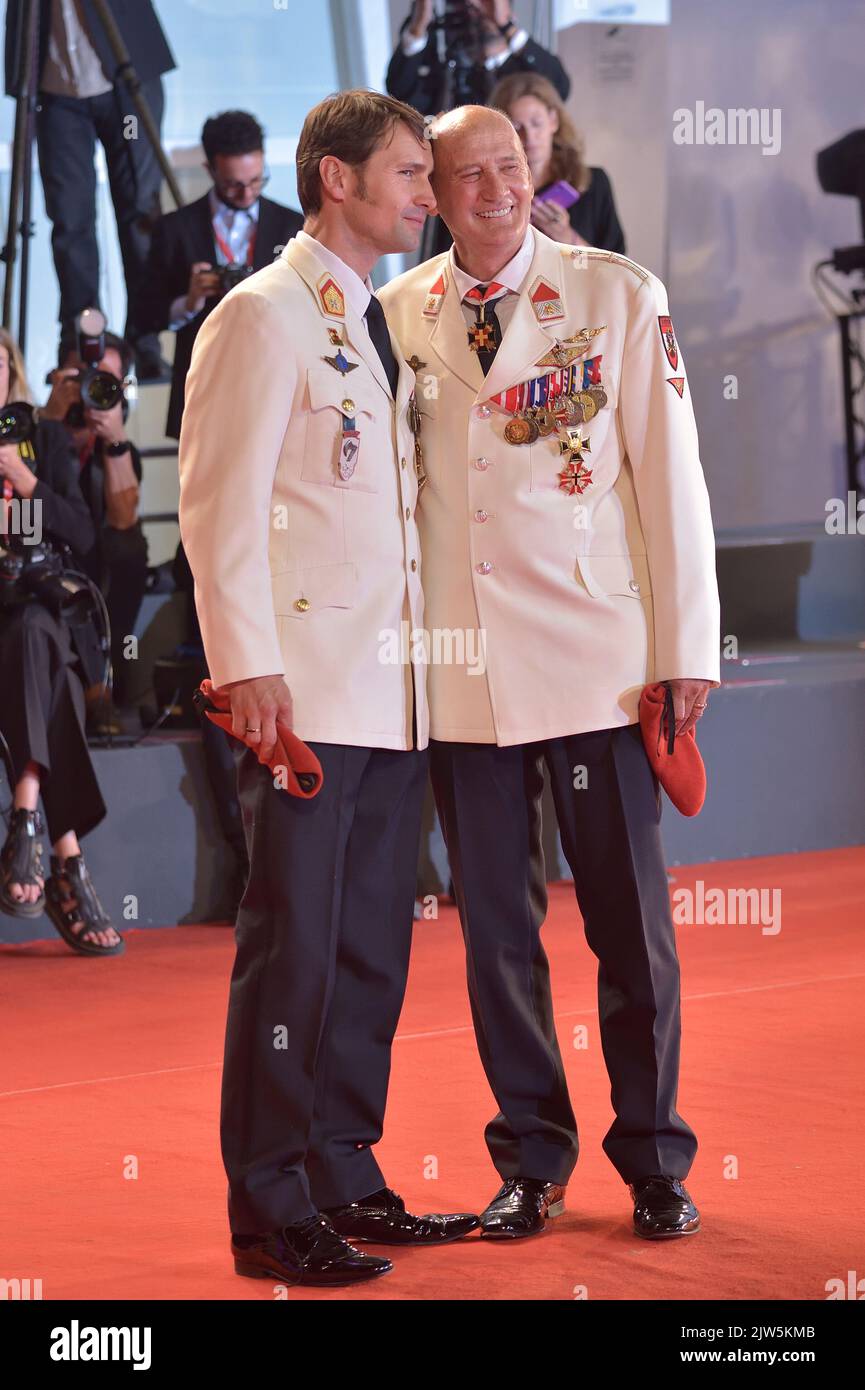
point(350, 126)
point(567, 161)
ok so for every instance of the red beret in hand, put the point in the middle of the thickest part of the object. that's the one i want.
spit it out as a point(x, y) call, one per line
point(291, 758)
point(676, 761)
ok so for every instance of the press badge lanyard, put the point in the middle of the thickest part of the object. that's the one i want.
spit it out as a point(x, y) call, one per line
point(227, 251)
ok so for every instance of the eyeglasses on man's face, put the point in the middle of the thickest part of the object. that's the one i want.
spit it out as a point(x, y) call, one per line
point(235, 188)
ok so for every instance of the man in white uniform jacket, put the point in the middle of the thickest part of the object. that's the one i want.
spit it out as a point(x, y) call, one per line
point(297, 511)
point(566, 535)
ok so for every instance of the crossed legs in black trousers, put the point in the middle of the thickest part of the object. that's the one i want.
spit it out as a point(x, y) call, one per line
point(488, 800)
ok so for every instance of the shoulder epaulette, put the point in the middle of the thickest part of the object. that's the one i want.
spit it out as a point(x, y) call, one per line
point(585, 253)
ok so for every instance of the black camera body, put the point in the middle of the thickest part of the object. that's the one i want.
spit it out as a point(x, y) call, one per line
point(233, 274)
point(17, 422)
point(40, 572)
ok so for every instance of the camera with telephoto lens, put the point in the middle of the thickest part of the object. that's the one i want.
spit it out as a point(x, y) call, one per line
point(99, 390)
point(40, 571)
point(37, 571)
point(45, 573)
point(233, 274)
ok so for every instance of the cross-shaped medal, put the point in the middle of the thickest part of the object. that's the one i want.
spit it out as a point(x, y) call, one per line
point(574, 446)
point(481, 335)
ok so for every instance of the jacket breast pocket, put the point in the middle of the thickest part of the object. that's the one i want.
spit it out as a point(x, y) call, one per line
point(302, 593)
point(615, 574)
point(331, 399)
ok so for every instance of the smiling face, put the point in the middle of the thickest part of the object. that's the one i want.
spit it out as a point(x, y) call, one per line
point(483, 186)
point(386, 200)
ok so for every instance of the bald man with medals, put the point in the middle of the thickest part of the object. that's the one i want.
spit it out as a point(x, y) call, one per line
point(566, 531)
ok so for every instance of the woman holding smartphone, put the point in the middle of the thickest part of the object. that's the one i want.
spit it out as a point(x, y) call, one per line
point(573, 203)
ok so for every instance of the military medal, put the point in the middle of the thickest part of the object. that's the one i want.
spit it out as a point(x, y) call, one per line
point(521, 430)
point(568, 410)
point(413, 415)
point(599, 396)
point(574, 478)
point(349, 451)
point(340, 363)
point(545, 421)
point(574, 445)
point(335, 337)
point(481, 335)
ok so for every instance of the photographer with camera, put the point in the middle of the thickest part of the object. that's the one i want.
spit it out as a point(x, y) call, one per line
point(455, 60)
point(45, 528)
point(87, 395)
point(202, 250)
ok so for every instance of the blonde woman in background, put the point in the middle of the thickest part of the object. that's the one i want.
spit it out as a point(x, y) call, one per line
point(555, 155)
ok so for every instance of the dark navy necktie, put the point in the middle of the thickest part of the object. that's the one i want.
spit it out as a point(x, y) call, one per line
point(378, 332)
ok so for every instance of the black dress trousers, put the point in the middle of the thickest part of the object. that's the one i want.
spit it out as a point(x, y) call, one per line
point(323, 937)
point(488, 801)
point(42, 717)
point(67, 129)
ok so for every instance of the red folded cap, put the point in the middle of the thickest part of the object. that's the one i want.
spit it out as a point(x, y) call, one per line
point(676, 760)
point(295, 763)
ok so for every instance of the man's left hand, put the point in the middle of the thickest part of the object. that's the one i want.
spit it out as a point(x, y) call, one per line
point(689, 701)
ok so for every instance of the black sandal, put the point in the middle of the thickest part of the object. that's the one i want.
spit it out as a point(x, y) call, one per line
point(87, 908)
point(21, 862)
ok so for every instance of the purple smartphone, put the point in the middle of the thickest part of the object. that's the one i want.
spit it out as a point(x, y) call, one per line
point(561, 192)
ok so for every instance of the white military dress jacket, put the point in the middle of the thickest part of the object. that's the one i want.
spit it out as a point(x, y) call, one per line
point(298, 493)
point(580, 576)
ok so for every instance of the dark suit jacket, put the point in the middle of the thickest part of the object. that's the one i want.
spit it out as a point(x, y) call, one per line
point(179, 240)
point(136, 20)
point(420, 80)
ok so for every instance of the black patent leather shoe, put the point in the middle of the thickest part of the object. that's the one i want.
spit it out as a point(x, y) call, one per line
point(522, 1207)
point(663, 1208)
point(310, 1252)
point(383, 1219)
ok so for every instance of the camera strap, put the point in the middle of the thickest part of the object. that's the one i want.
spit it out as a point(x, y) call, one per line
point(226, 249)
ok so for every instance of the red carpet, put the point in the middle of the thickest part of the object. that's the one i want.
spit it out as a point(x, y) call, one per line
point(112, 1068)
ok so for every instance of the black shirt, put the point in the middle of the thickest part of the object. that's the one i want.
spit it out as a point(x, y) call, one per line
point(594, 215)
